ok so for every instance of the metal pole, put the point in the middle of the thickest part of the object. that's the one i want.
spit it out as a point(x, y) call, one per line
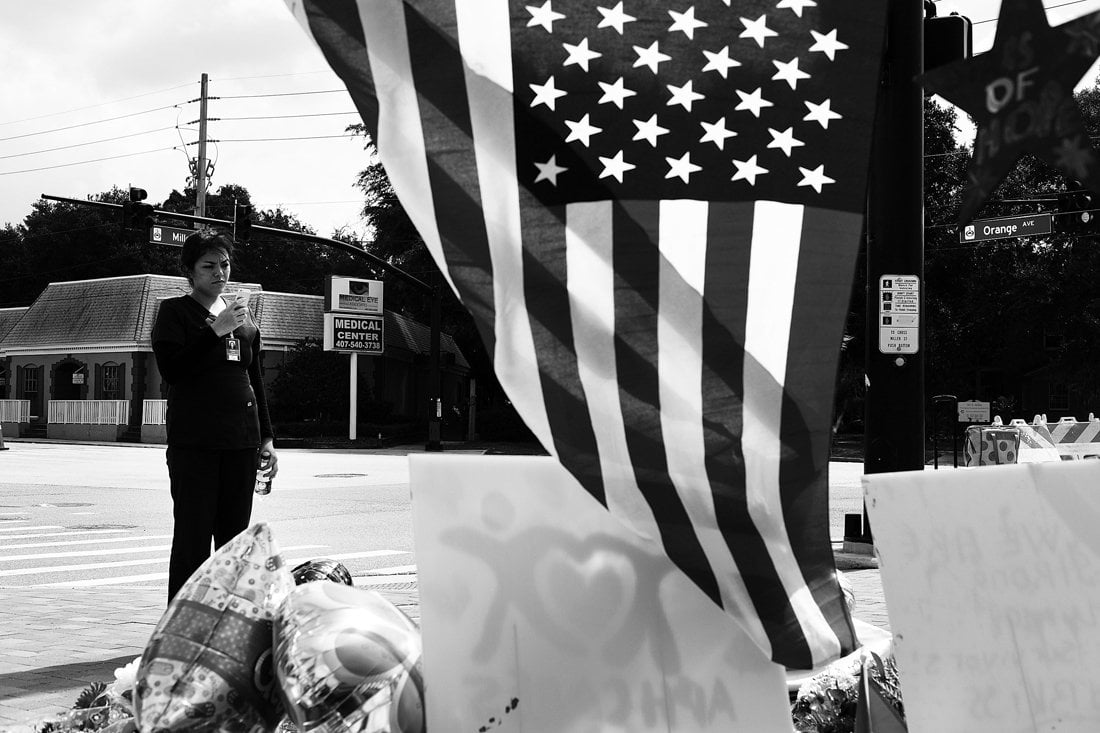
point(435, 405)
point(894, 437)
point(353, 395)
point(200, 168)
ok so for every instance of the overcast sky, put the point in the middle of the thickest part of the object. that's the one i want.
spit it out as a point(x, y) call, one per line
point(113, 68)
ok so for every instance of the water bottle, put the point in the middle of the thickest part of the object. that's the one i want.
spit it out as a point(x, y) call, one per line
point(263, 482)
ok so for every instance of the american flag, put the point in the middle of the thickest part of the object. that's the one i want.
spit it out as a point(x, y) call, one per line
point(653, 212)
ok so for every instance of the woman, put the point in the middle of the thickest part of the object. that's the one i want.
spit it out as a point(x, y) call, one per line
point(208, 351)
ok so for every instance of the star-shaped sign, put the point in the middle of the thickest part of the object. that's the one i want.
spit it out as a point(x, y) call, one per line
point(1020, 94)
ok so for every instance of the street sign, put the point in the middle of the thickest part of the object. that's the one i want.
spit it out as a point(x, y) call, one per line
point(899, 314)
point(171, 236)
point(974, 411)
point(354, 334)
point(353, 295)
point(982, 230)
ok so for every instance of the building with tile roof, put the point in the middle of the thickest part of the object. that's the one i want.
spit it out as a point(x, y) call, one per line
point(82, 351)
point(8, 317)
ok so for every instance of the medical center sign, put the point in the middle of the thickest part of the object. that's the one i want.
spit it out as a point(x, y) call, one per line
point(353, 316)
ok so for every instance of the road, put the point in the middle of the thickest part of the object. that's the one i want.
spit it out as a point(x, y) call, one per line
point(80, 515)
point(87, 515)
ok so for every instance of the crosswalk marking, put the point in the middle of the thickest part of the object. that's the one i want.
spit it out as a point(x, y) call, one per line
point(157, 577)
point(100, 540)
point(23, 529)
point(64, 534)
point(83, 553)
point(100, 565)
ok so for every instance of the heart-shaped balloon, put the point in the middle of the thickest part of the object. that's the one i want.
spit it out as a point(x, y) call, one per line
point(348, 660)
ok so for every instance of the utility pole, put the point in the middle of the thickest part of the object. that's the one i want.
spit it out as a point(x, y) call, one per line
point(200, 166)
point(896, 319)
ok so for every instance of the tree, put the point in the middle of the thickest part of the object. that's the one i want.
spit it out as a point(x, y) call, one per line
point(313, 385)
point(396, 240)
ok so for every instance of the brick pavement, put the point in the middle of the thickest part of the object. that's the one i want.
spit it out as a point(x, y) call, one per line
point(54, 642)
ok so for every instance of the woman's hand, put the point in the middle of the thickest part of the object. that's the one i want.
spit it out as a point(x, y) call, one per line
point(232, 315)
point(268, 447)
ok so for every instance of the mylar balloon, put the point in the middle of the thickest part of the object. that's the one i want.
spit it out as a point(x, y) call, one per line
point(208, 662)
point(321, 569)
point(348, 660)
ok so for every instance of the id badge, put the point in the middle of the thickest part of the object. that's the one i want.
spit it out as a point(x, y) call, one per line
point(233, 349)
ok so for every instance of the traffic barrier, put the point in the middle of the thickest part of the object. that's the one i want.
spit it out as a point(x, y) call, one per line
point(991, 446)
point(1038, 441)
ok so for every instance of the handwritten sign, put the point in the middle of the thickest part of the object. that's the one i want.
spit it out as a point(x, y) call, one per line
point(992, 583)
point(542, 613)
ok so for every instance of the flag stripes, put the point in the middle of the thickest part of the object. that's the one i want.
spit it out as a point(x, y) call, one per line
point(677, 356)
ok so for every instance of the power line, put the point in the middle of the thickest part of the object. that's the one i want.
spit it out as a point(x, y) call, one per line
point(280, 94)
point(273, 76)
point(83, 162)
point(93, 106)
point(281, 117)
point(273, 139)
point(94, 122)
point(90, 142)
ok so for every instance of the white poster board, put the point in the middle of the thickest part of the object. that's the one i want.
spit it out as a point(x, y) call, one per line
point(992, 580)
point(541, 613)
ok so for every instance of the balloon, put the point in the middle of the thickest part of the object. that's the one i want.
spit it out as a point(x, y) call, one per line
point(348, 660)
point(321, 569)
point(208, 661)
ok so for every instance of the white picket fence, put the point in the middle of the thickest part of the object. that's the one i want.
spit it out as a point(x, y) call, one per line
point(153, 412)
point(88, 412)
point(15, 411)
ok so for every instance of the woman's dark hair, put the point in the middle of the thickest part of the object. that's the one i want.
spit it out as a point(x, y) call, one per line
point(199, 244)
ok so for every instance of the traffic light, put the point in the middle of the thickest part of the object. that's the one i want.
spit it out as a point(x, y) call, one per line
point(137, 216)
point(242, 222)
point(1076, 210)
point(947, 38)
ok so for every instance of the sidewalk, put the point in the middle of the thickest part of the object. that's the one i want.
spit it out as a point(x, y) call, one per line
point(55, 642)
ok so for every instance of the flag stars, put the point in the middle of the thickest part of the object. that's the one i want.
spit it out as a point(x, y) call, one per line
point(681, 167)
point(753, 102)
point(716, 132)
point(543, 15)
point(685, 22)
point(650, 57)
point(580, 54)
point(789, 72)
point(547, 93)
point(827, 44)
point(615, 93)
point(615, 18)
point(796, 6)
point(821, 113)
point(784, 140)
point(815, 178)
point(581, 130)
point(757, 30)
point(747, 170)
point(615, 166)
point(549, 171)
point(683, 96)
point(720, 61)
point(649, 130)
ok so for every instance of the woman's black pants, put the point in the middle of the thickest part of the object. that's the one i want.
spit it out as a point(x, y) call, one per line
point(211, 502)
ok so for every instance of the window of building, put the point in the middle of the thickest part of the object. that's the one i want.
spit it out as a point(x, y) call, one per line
point(30, 380)
point(112, 382)
point(1058, 397)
